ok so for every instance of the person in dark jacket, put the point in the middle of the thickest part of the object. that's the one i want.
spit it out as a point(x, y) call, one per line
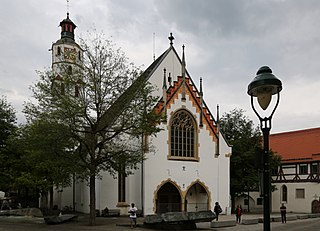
point(283, 211)
point(217, 210)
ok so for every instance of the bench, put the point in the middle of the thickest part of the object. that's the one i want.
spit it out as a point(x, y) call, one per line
point(219, 224)
point(250, 221)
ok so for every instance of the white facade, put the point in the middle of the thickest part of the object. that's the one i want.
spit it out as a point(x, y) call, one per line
point(297, 179)
point(295, 202)
point(165, 182)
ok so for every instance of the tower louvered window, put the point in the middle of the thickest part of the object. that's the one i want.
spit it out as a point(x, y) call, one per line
point(182, 135)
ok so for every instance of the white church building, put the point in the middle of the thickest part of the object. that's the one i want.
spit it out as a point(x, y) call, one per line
point(188, 166)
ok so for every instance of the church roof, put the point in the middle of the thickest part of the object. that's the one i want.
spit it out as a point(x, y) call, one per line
point(297, 146)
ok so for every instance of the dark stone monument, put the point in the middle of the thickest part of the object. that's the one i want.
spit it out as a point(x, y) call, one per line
point(178, 220)
point(53, 220)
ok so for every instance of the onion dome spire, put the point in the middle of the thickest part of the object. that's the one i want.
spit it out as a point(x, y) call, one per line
point(67, 28)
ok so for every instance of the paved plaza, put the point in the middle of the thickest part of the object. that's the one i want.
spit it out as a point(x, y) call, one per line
point(123, 223)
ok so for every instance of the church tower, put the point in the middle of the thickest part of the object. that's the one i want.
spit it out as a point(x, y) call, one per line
point(67, 57)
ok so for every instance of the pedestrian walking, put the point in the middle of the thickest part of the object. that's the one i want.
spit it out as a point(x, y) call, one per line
point(217, 210)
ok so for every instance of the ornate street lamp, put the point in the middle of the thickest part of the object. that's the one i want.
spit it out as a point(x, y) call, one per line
point(263, 86)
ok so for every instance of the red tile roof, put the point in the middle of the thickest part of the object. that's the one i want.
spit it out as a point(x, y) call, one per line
point(297, 146)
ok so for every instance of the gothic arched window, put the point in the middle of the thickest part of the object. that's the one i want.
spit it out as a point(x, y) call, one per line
point(183, 136)
point(284, 193)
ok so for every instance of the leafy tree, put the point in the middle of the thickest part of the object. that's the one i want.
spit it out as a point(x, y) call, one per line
point(7, 121)
point(245, 139)
point(104, 77)
point(47, 150)
point(7, 129)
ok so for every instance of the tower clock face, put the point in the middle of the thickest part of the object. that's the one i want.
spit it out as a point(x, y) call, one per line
point(70, 54)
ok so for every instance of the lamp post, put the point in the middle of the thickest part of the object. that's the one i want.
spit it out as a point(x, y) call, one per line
point(263, 86)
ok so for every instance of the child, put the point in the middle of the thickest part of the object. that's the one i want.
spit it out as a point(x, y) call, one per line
point(133, 215)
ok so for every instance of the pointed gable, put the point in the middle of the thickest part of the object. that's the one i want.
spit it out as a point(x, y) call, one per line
point(297, 146)
point(194, 97)
point(171, 61)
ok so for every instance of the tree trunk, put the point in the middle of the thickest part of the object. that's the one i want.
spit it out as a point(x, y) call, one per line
point(92, 199)
point(51, 198)
point(233, 202)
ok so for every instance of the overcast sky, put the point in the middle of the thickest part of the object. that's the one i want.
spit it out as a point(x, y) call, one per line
point(226, 41)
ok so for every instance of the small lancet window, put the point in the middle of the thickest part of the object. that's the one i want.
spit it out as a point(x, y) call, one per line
point(58, 51)
point(284, 193)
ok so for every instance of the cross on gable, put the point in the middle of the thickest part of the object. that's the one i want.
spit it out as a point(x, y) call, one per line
point(171, 38)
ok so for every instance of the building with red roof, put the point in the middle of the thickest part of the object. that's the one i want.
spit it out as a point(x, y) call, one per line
point(297, 179)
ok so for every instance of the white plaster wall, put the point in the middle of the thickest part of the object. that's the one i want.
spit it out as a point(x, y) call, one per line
point(82, 197)
point(106, 191)
point(133, 185)
point(67, 197)
point(295, 204)
point(212, 171)
point(172, 65)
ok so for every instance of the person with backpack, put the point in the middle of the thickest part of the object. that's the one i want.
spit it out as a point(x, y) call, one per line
point(217, 210)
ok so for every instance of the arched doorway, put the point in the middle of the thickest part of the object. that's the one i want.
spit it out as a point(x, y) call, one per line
point(196, 199)
point(168, 199)
point(315, 205)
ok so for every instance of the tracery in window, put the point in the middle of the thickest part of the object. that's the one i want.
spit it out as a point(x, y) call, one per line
point(182, 135)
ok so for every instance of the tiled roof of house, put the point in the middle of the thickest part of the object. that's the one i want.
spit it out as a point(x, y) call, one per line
point(297, 146)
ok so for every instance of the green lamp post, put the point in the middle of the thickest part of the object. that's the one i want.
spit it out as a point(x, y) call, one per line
point(263, 87)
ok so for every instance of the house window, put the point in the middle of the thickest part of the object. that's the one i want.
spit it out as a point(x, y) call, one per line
point(284, 193)
point(314, 168)
point(300, 193)
point(303, 169)
point(259, 200)
point(182, 136)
